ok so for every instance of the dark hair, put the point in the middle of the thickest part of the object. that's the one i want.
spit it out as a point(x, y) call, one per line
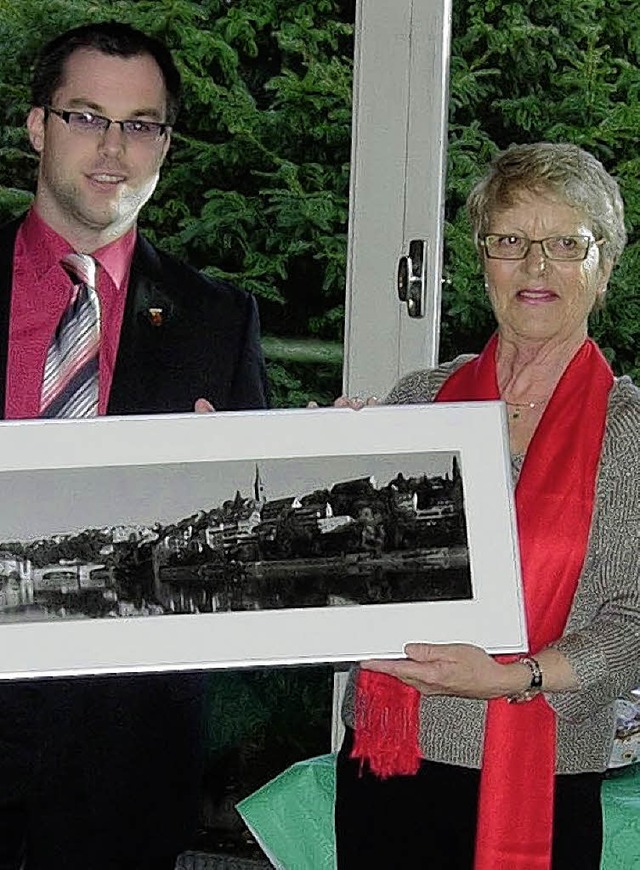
point(109, 37)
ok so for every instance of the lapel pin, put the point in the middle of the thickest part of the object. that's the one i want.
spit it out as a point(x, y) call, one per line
point(156, 316)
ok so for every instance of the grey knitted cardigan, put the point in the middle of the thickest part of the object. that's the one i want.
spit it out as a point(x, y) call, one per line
point(602, 636)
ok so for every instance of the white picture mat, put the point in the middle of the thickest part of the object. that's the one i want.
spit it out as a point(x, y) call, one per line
point(494, 619)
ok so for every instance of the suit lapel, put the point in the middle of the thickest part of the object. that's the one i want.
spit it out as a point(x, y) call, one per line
point(146, 327)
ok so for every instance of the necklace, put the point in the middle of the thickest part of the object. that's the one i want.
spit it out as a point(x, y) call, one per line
point(519, 407)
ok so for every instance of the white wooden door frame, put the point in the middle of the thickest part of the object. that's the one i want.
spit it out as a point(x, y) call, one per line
point(399, 136)
point(398, 158)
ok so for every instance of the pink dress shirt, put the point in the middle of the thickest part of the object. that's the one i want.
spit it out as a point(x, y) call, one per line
point(41, 291)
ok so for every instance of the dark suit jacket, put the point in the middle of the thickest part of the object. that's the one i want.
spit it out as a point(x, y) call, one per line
point(102, 773)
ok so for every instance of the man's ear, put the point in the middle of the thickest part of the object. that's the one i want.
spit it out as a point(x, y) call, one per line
point(165, 147)
point(35, 126)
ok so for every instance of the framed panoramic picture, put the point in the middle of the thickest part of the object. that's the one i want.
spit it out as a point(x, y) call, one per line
point(254, 538)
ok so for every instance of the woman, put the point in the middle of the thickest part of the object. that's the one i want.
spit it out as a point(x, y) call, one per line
point(453, 759)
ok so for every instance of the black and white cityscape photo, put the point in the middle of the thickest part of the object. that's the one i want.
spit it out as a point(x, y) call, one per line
point(190, 538)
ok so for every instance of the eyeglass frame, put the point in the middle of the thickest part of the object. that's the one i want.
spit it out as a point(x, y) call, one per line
point(590, 241)
point(162, 128)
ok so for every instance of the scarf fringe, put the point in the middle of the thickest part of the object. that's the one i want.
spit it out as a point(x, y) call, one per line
point(386, 733)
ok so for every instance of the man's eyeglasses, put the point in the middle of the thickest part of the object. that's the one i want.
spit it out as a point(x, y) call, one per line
point(135, 129)
point(511, 247)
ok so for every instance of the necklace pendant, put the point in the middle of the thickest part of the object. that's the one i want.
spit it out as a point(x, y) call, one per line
point(515, 415)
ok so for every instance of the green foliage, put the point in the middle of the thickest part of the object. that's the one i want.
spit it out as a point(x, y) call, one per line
point(14, 202)
point(294, 384)
point(260, 721)
point(284, 705)
point(541, 70)
point(255, 188)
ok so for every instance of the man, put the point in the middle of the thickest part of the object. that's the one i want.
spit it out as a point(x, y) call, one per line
point(101, 774)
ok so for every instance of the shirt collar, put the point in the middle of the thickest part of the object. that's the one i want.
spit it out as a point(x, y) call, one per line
point(115, 258)
point(47, 248)
point(44, 247)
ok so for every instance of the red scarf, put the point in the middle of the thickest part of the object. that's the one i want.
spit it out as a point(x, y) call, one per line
point(554, 505)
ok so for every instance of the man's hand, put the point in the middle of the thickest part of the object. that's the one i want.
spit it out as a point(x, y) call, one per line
point(458, 669)
point(202, 406)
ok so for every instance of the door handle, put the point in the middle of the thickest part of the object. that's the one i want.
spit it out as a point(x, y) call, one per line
point(411, 282)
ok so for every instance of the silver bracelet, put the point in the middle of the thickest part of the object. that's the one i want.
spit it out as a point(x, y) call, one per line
point(535, 686)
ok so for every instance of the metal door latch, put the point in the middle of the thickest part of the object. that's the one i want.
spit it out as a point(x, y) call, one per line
point(411, 283)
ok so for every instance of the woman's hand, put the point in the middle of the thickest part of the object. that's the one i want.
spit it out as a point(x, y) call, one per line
point(469, 672)
point(455, 669)
point(355, 402)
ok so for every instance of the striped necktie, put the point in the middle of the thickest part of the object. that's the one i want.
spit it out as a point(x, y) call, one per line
point(70, 383)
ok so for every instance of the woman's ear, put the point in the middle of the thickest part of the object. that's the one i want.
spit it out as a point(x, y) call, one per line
point(603, 278)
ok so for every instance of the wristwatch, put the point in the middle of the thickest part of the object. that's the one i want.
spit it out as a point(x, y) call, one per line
point(535, 686)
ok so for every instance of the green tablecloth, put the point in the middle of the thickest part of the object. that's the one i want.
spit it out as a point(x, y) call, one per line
point(292, 817)
point(621, 805)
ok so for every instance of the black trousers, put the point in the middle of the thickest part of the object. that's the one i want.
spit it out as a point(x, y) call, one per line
point(100, 773)
point(428, 821)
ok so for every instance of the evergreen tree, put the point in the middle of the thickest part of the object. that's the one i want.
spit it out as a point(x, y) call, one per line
point(256, 185)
